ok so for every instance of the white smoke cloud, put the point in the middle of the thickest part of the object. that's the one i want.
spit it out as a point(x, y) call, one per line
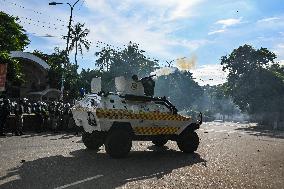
point(164, 71)
point(209, 75)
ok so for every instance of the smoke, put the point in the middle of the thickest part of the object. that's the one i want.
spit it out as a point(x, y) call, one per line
point(164, 71)
point(186, 64)
point(183, 64)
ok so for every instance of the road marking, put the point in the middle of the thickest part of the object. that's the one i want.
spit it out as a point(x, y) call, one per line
point(230, 132)
point(210, 130)
point(220, 131)
point(79, 182)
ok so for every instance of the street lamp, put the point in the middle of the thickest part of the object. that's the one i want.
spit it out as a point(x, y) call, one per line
point(70, 19)
point(68, 37)
point(54, 3)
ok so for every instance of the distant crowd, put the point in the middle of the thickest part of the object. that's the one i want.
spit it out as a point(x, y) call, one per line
point(45, 116)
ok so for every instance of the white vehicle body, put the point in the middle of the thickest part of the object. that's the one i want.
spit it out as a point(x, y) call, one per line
point(96, 112)
point(149, 116)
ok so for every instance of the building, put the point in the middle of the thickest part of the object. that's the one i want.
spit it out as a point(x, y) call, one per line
point(36, 75)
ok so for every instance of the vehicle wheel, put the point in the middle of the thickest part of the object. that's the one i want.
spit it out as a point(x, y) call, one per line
point(160, 142)
point(118, 143)
point(188, 142)
point(93, 141)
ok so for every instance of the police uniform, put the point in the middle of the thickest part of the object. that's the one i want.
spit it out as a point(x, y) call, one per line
point(4, 113)
point(19, 110)
point(38, 116)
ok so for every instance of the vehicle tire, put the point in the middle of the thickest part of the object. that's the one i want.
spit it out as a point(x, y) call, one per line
point(118, 143)
point(160, 142)
point(188, 142)
point(93, 141)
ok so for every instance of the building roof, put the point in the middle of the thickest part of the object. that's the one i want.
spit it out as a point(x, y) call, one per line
point(29, 56)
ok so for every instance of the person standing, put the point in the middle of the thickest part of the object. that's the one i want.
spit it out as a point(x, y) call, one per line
point(53, 116)
point(66, 116)
point(19, 118)
point(58, 115)
point(44, 113)
point(4, 113)
point(38, 117)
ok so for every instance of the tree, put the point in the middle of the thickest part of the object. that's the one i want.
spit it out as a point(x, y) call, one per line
point(14, 75)
point(105, 56)
point(78, 36)
point(132, 60)
point(86, 76)
point(180, 88)
point(254, 81)
point(12, 38)
point(126, 62)
point(215, 101)
point(71, 77)
point(12, 35)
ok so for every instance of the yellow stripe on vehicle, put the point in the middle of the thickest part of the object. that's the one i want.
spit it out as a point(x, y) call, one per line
point(155, 130)
point(126, 114)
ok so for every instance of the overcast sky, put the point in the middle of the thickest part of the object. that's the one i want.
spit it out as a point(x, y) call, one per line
point(165, 29)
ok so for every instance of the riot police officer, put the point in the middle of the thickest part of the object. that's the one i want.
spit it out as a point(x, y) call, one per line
point(19, 110)
point(53, 116)
point(38, 117)
point(65, 116)
point(4, 113)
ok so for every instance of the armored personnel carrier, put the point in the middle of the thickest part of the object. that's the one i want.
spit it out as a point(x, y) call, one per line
point(132, 113)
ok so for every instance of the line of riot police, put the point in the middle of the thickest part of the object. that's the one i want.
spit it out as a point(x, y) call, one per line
point(44, 116)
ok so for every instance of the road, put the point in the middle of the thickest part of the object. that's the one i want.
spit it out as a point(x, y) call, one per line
point(230, 155)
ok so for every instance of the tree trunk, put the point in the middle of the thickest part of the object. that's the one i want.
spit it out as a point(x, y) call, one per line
point(76, 52)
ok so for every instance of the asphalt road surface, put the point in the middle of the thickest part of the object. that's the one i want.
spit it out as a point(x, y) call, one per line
point(230, 155)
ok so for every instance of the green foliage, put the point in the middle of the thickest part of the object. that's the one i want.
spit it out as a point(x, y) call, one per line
point(86, 77)
point(71, 83)
point(180, 88)
point(255, 82)
point(12, 35)
point(127, 62)
point(14, 74)
point(71, 77)
point(132, 61)
point(104, 58)
point(12, 38)
point(5, 58)
point(278, 71)
point(78, 39)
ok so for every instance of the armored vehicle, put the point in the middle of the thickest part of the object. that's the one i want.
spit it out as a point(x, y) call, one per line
point(132, 113)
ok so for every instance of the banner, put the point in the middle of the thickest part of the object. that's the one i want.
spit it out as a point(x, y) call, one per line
point(3, 72)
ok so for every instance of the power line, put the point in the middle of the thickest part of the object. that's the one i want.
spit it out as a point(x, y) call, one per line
point(34, 11)
point(48, 28)
point(41, 23)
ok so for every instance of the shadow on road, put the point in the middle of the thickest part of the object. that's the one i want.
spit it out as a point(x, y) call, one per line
point(83, 166)
point(262, 131)
point(63, 135)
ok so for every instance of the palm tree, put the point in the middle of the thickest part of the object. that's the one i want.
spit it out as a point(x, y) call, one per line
point(78, 39)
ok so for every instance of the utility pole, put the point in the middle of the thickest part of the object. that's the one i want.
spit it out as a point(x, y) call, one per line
point(68, 38)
